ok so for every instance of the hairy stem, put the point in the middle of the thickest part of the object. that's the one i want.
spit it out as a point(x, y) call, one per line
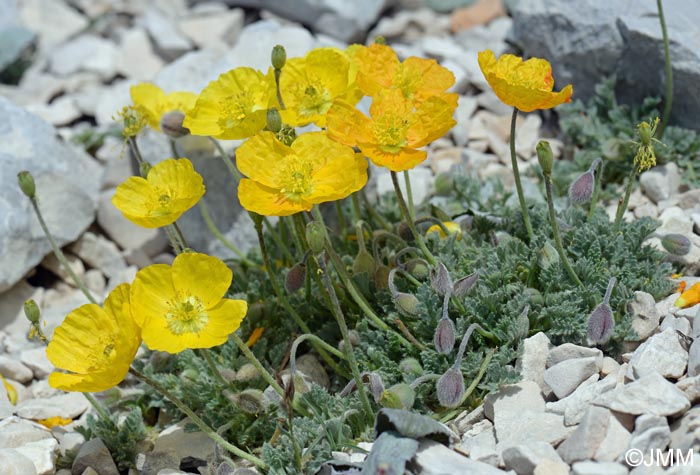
point(516, 176)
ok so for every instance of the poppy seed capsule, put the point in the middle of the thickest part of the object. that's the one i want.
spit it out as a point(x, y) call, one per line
point(250, 401)
point(31, 311)
point(295, 277)
point(444, 337)
point(410, 366)
point(676, 244)
point(278, 56)
point(398, 396)
point(450, 388)
point(316, 236)
point(363, 263)
point(171, 124)
point(26, 184)
point(544, 156)
point(406, 303)
point(581, 189)
point(274, 120)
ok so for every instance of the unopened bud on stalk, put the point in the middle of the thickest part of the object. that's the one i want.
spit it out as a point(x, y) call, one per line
point(418, 268)
point(405, 233)
point(581, 189)
point(450, 388)
point(601, 322)
point(295, 277)
point(381, 277)
point(440, 279)
point(274, 120)
point(189, 376)
point(676, 244)
point(399, 396)
point(548, 256)
point(363, 263)
point(463, 285)
point(31, 311)
point(544, 156)
point(316, 237)
point(278, 57)
point(247, 372)
point(26, 184)
point(250, 401)
point(407, 303)
point(444, 337)
point(410, 366)
point(171, 124)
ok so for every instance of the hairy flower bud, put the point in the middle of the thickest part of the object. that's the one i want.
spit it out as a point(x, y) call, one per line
point(450, 388)
point(405, 233)
point(444, 337)
point(247, 372)
point(581, 189)
point(418, 268)
point(31, 311)
point(278, 56)
point(398, 396)
point(26, 184)
point(316, 236)
point(544, 156)
point(676, 244)
point(363, 263)
point(171, 124)
point(274, 120)
point(410, 366)
point(548, 256)
point(381, 277)
point(295, 277)
point(600, 324)
point(189, 376)
point(250, 401)
point(406, 303)
point(440, 279)
point(463, 285)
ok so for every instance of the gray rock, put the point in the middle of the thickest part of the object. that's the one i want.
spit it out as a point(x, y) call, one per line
point(661, 182)
point(15, 42)
point(650, 394)
point(184, 444)
point(136, 58)
point(215, 30)
point(152, 463)
point(99, 253)
point(566, 376)
point(694, 358)
point(691, 387)
point(586, 439)
point(13, 369)
point(347, 21)
point(525, 458)
point(645, 316)
point(528, 427)
point(95, 455)
point(37, 361)
point(15, 463)
point(685, 432)
point(480, 443)
point(598, 468)
point(15, 432)
point(168, 38)
point(67, 189)
point(576, 404)
point(680, 324)
point(569, 351)
point(88, 53)
point(662, 353)
point(532, 362)
point(55, 20)
point(615, 442)
point(625, 39)
point(66, 405)
point(548, 467)
point(510, 400)
point(433, 458)
point(42, 453)
point(311, 367)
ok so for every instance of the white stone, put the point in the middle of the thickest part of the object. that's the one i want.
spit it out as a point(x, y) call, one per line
point(615, 442)
point(67, 406)
point(15, 432)
point(661, 182)
point(526, 457)
point(549, 467)
point(99, 253)
point(661, 353)
point(169, 40)
point(569, 351)
point(609, 366)
point(463, 114)
point(51, 263)
point(218, 30)
point(511, 399)
point(532, 362)
point(691, 387)
point(565, 376)
point(136, 58)
point(680, 324)
point(13, 369)
point(62, 111)
point(85, 53)
point(480, 442)
point(37, 361)
point(55, 20)
point(650, 394)
point(527, 135)
point(15, 463)
point(586, 439)
point(433, 458)
point(42, 453)
point(577, 403)
point(598, 468)
point(645, 316)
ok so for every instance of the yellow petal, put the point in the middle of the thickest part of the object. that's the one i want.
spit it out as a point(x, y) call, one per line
point(151, 291)
point(225, 318)
point(343, 175)
point(149, 99)
point(347, 125)
point(135, 198)
point(200, 275)
point(420, 79)
point(267, 201)
point(433, 119)
point(403, 159)
point(259, 157)
point(377, 67)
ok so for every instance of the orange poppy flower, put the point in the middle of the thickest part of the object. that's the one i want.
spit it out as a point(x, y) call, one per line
point(690, 297)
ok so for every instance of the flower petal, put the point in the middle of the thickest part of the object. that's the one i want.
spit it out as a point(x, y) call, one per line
point(149, 99)
point(205, 277)
point(347, 125)
point(267, 201)
point(151, 291)
point(404, 159)
point(259, 157)
point(377, 66)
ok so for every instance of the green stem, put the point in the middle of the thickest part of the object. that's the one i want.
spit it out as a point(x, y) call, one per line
point(203, 426)
point(411, 225)
point(179, 235)
point(134, 147)
point(173, 148)
point(356, 206)
point(350, 285)
point(174, 243)
point(310, 336)
point(409, 195)
point(204, 353)
point(101, 411)
point(482, 369)
point(227, 161)
point(596, 189)
point(258, 365)
point(278, 240)
point(624, 200)
point(222, 239)
point(349, 353)
point(59, 254)
point(341, 216)
point(516, 176)
point(278, 72)
point(373, 213)
point(669, 73)
point(555, 231)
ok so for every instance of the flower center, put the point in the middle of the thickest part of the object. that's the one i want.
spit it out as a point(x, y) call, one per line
point(102, 353)
point(234, 109)
point(390, 132)
point(296, 179)
point(186, 314)
point(314, 100)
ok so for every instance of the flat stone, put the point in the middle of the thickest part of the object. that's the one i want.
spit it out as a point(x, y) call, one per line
point(569, 351)
point(598, 468)
point(69, 181)
point(661, 353)
point(650, 394)
point(528, 427)
point(85, 53)
point(185, 444)
point(565, 376)
point(574, 406)
point(685, 432)
point(549, 467)
point(67, 406)
point(465, 420)
point(51, 263)
point(16, 432)
point(216, 30)
point(525, 458)
point(95, 455)
point(433, 458)
point(480, 442)
point(652, 439)
point(680, 324)
point(37, 361)
point(168, 38)
point(609, 366)
point(645, 316)
point(691, 387)
point(532, 362)
point(661, 182)
point(42, 453)
point(136, 58)
point(615, 442)
point(586, 439)
point(15, 463)
point(55, 20)
point(511, 399)
point(99, 253)
point(13, 369)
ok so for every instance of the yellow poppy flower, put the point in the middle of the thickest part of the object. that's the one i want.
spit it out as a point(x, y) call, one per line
point(96, 345)
point(182, 306)
point(284, 180)
point(54, 421)
point(526, 85)
point(171, 188)
point(10, 390)
point(234, 106)
point(418, 79)
point(310, 84)
point(153, 102)
point(451, 226)
point(390, 138)
point(689, 297)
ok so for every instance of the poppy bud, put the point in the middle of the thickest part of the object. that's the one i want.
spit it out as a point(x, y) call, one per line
point(600, 324)
point(676, 244)
point(189, 376)
point(31, 311)
point(581, 189)
point(274, 120)
point(295, 277)
point(450, 388)
point(399, 396)
point(410, 366)
point(544, 156)
point(247, 372)
point(171, 124)
point(144, 168)
point(548, 256)
point(26, 184)
point(418, 268)
point(363, 263)
point(250, 401)
point(376, 385)
point(316, 236)
point(462, 286)
point(228, 374)
point(405, 232)
point(444, 338)
point(444, 184)
point(406, 303)
point(381, 277)
point(440, 279)
point(278, 56)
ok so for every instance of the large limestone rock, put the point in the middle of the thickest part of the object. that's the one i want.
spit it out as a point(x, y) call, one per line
point(591, 39)
point(67, 182)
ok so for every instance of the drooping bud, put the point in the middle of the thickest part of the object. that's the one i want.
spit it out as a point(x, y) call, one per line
point(144, 168)
point(31, 311)
point(444, 184)
point(274, 120)
point(381, 277)
point(405, 233)
point(26, 184)
point(171, 124)
point(410, 366)
point(228, 374)
point(316, 236)
point(544, 156)
point(450, 388)
point(548, 256)
point(376, 385)
point(295, 277)
point(463, 285)
point(601, 322)
point(278, 56)
point(407, 303)
point(676, 244)
point(363, 263)
point(440, 279)
point(250, 401)
point(418, 268)
point(581, 189)
point(247, 372)
point(444, 337)
point(398, 396)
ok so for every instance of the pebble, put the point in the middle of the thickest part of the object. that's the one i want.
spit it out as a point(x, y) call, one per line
point(36, 360)
point(565, 376)
point(650, 394)
point(16, 432)
point(14, 462)
point(662, 353)
point(586, 439)
point(598, 468)
point(13, 369)
point(569, 351)
point(67, 406)
point(42, 453)
point(95, 455)
point(100, 253)
point(185, 444)
point(615, 442)
point(645, 316)
point(533, 361)
point(480, 443)
point(526, 457)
